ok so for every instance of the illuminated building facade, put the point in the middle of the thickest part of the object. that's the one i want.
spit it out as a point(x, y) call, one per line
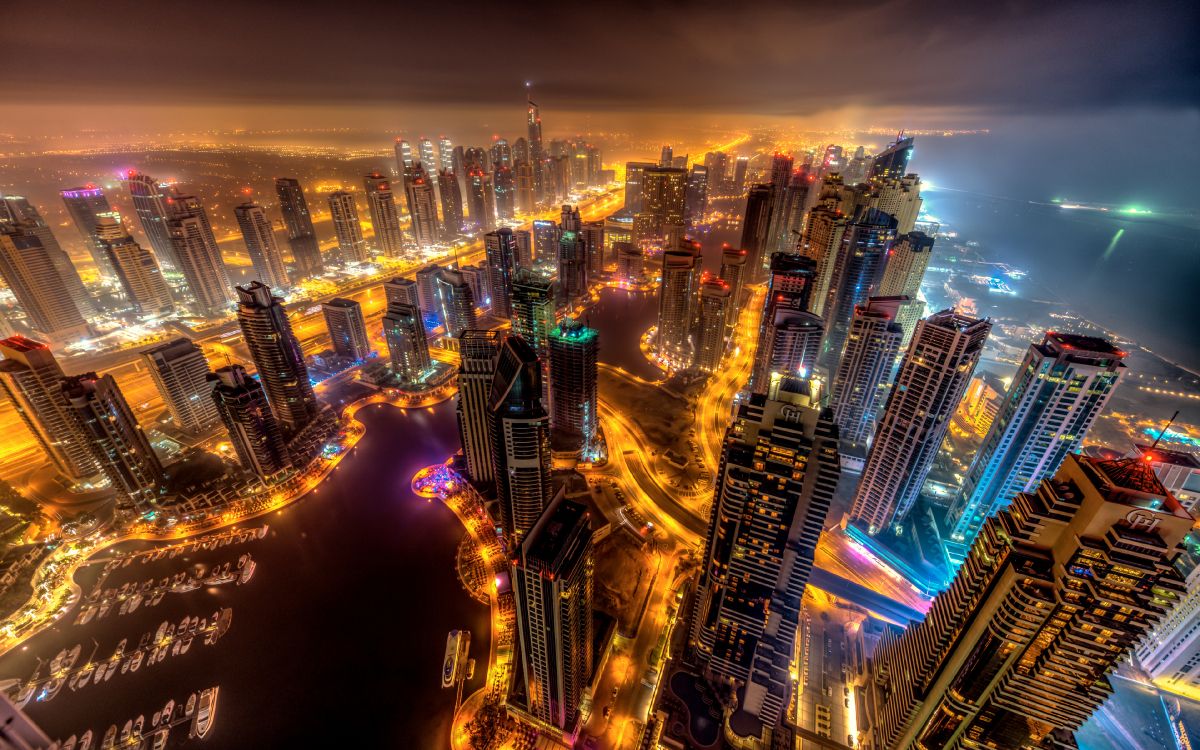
point(352, 247)
point(259, 236)
point(85, 205)
point(785, 321)
point(302, 238)
point(906, 264)
point(385, 219)
point(197, 255)
point(501, 249)
point(150, 203)
point(677, 302)
point(755, 227)
point(30, 271)
point(347, 328)
point(574, 350)
point(519, 431)
point(857, 272)
point(134, 267)
point(242, 405)
point(456, 304)
point(180, 373)
point(422, 206)
point(733, 273)
point(862, 373)
point(714, 304)
point(277, 356)
point(477, 367)
point(407, 344)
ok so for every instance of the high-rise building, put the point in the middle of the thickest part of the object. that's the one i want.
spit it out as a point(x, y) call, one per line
point(106, 425)
point(786, 330)
point(696, 202)
point(404, 157)
point(389, 239)
point(476, 277)
point(1054, 398)
point(500, 247)
point(445, 155)
point(591, 233)
point(347, 328)
point(667, 158)
point(277, 356)
point(1178, 470)
point(711, 327)
point(733, 273)
point(401, 290)
point(740, 167)
point(504, 183)
point(755, 227)
point(822, 242)
point(427, 299)
point(677, 302)
point(900, 197)
point(180, 371)
point(537, 155)
point(871, 349)
point(1056, 592)
point(429, 156)
point(85, 205)
point(572, 267)
point(664, 196)
point(546, 235)
point(780, 177)
point(242, 405)
point(520, 438)
point(23, 218)
point(574, 349)
point(1170, 652)
point(302, 238)
point(524, 239)
point(892, 162)
point(533, 304)
point(634, 173)
point(778, 473)
point(553, 583)
point(133, 266)
point(31, 378)
point(716, 163)
point(501, 153)
point(422, 205)
point(452, 205)
point(407, 344)
point(197, 255)
point(932, 379)
point(630, 263)
point(456, 304)
point(151, 204)
point(477, 367)
point(260, 244)
point(31, 273)
point(794, 206)
point(351, 245)
point(481, 200)
point(906, 264)
point(857, 272)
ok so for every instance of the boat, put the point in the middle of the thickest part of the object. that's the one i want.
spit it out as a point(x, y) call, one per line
point(125, 664)
point(206, 711)
point(162, 629)
point(178, 644)
point(184, 586)
point(136, 662)
point(458, 645)
point(85, 741)
point(26, 691)
point(126, 733)
point(72, 656)
point(138, 723)
point(135, 601)
point(86, 614)
point(167, 712)
point(191, 705)
point(220, 576)
point(120, 651)
point(110, 738)
point(86, 674)
point(104, 608)
point(247, 570)
point(262, 532)
point(185, 644)
point(57, 661)
point(156, 597)
point(112, 669)
point(160, 739)
point(124, 608)
point(145, 640)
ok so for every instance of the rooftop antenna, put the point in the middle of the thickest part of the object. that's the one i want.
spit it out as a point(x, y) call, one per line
point(1166, 427)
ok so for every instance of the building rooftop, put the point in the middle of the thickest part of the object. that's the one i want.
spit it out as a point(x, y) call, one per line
point(1170, 457)
point(1091, 344)
point(21, 343)
point(550, 542)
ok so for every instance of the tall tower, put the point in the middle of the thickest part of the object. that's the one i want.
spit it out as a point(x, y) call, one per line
point(180, 373)
point(871, 349)
point(821, 243)
point(780, 178)
point(504, 183)
point(574, 350)
point(408, 347)
point(733, 273)
point(260, 244)
point(711, 326)
point(900, 197)
point(133, 266)
point(546, 234)
point(519, 430)
point(477, 367)
point(664, 196)
point(481, 200)
point(108, 428)
point(933, 377)
point(696, 202)
point(277, 356)
point(677, 302)
point(302, 238)
point(533, 310)
point(351, 245)
point(1057, 590)
point(197, 255)
point(591, 233)
point(23, 218)
point(30, 271)
point(906, 264)
point(778, 474)
point(892, 162)
point(85, 205)
point(242, 405)
point(1058, 391)
point(501, 249)
point(388, 238)
point(572, 266)
point(857, 272)
point(427, 299)
point(150, 203)
point(553, 578)
point(755, 227)
point(32, 380)
point(786, 330)
point(422, 204)
point(1171, 650)
point(526, 195)
point(429, 156)
point(634, 172)
point(452, 204)
point(347, 328)
point(537, 155)
point(456, 303)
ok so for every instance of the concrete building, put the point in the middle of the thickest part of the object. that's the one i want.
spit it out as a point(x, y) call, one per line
point(180, 373)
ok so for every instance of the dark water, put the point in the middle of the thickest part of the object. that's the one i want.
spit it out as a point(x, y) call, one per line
point(621, 317)
point(337, 640)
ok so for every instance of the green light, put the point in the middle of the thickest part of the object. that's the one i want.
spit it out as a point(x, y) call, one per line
point(1136, 211)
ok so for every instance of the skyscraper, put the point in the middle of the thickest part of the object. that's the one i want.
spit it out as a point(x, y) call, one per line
point(711, 326)
point(404, 157)
point(696, 201)
point(23, 218)
point(740, 167)
point(197, 255)
point(591, 233)
point(519, 431)
point(456, 304)
point(133, 266)
point(1057, 590)
point(30, 272)
point(546, 235)
point(347, 328)
point(871, 349)
point(389, 239)
point(106, 424)
point(786, 331)
point(85, 205)
point(572, 267)
point(574, 349)
point(1058, 391)
point(664, 196)
point(408, 347)
point(631, 263)
point(501, 249)
point(733, 273)
point(477, 367)
point(481, 200)
point(857, 272)
point(429, 156)
point(302, 238)
point(778, 473)
point(427, 299)
point(1170, 651)
point(526, 196)
point(351, 245)
point(892, 162)
point(504, 183)
point(932, 379)
point(260, 244)
point(242, 405)
point(677, 302)
point(537, 155)
point(150, 203)
point(422, 204)
point(755, 227)
point(277, 356)
point(716, 163)
point(32, 380)
point(780, 178)
point(533, 305)
point(900, 197)
point(906, 264)
point(180, 371)
point(452, 205)
point(821, 243)
point(634, 173)
point(401, 290)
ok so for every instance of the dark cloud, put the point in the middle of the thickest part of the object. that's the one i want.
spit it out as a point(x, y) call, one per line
point(773, 58)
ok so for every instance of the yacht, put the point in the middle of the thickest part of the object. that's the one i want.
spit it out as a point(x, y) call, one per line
point(160, 739)
point(110, 738)
point(85, 741)
point(206, 711)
